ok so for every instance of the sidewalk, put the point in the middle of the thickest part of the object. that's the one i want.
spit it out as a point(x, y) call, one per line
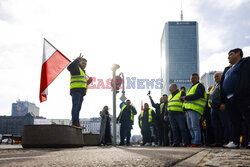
point(15, 155)
point(218, 157)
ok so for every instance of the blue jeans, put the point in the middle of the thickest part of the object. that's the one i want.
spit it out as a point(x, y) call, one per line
point(77, 99)
point(177, 121)
point(221, 126)
point(193, 122)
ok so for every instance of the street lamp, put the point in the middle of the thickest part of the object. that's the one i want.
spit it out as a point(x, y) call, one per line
point(114, 68)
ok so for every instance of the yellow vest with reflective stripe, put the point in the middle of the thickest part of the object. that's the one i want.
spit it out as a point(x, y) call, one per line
point(210, 92)
point(78, 81)
point(149, 116)
point(175, 104)
point(161, 107)
point(195, 105)
point(131, 116)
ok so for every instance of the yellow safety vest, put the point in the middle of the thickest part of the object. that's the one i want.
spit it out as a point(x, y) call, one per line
point(78, 81)
point(131, 116)
point(149, 116)
point(175, 104)
point(195, 105)
point(161, 107)
point(210, 92)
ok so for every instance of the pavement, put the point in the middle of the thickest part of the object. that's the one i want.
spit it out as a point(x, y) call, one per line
point(15, 155)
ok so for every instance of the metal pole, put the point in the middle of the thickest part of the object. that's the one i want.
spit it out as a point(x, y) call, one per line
point(114, 109)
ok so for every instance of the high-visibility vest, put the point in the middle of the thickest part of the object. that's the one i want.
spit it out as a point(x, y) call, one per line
point(197, 105)
point(210, 92)
point(78, 81)
point(174, 103)
point(161, 107)
point(131, 114)
point(149, 116)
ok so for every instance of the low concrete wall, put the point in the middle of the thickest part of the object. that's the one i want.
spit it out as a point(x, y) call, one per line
point(51, 136)
point(91, 140)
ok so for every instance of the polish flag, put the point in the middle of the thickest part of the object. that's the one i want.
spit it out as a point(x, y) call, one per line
point(142, 109)
point(52, 65)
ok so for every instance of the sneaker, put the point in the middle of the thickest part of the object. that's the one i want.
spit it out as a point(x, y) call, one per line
point(216, 145)
point(128, 144)
point(121, 144)
point(147, 144)
point(153, 144)
point(231, 144)
point(248, 146)
point(176, 145)
point(226, 143)
point(195, 145)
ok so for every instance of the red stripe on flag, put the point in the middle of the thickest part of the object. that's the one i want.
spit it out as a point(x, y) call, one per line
point(50, 70)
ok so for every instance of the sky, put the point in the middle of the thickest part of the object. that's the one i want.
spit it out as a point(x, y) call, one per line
point(107, 32)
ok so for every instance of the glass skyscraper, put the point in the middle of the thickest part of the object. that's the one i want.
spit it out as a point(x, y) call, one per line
point(179, 54)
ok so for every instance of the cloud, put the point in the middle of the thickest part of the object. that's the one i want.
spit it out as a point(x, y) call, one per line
point(218, 61)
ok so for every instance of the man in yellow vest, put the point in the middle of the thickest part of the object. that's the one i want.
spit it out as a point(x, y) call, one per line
point(194, 104)
point(177, 116)
point(147, 125)
point(78, 87)
point(126, 118)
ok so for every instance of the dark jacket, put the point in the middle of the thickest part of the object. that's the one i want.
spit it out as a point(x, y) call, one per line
point(242, 89)
point(157, 112)
point(125, 115)
point(145, 123)
point(215, 97)
point(73, 68)
point(105, 133)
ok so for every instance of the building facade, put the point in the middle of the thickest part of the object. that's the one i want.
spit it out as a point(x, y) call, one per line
point(21, 108)
point(15, 124)
point(179, 54)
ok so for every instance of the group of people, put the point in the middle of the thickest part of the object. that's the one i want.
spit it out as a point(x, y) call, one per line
point(217, 117)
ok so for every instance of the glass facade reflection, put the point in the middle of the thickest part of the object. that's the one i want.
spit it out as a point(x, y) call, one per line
point(179, 53)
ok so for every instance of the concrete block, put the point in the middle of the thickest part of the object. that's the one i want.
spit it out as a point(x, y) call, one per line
point(51, 136)
point(91, 140)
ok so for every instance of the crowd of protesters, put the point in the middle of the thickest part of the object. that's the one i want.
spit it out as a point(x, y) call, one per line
point(217, 117)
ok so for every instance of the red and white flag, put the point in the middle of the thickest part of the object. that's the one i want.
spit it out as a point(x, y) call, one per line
point(53, 64)
point(142, 109)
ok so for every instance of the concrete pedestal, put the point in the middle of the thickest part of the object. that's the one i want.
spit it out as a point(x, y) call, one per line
point(51, 136)
point(91, 140)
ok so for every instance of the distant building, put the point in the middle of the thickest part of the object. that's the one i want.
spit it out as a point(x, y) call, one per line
point(208, 79)
point(179, 54)
point(21, 108)
point(60, 121)
point(15, 124)
point(42, 121)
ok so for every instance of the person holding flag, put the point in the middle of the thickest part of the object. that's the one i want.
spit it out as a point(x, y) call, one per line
point(78, 87)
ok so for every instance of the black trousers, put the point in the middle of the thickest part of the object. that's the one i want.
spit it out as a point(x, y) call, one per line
point(146, 134)
point(125, 133)
point(239, 111)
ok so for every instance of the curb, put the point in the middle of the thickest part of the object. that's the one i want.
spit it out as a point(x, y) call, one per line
point(194, 160)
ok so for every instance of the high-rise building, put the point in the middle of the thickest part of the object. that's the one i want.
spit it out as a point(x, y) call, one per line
point(21, 108)
point(179, 53)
